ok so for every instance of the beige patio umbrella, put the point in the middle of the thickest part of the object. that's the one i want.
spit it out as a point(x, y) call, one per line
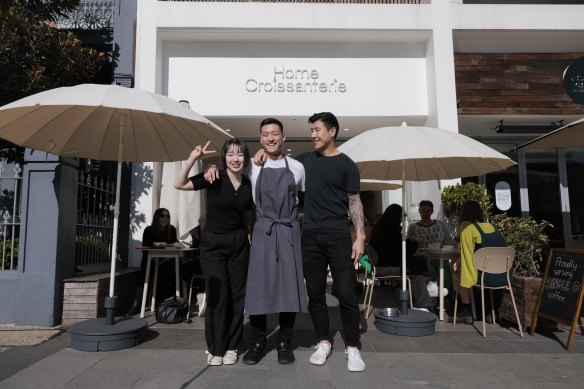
point(377, 185)
point(570, 135)
point(420, 154)
point(107, 122)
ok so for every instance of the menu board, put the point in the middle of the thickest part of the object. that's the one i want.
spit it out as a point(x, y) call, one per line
point(560, 297)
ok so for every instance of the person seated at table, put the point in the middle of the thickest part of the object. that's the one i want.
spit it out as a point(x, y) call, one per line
point(386, 239)
point(430, 231)
point(474, 234)
point(160, 230)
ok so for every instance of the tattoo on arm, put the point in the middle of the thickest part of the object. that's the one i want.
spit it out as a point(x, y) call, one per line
point(356, 214)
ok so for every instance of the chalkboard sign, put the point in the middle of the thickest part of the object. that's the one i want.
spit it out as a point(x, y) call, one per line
point(560, 297)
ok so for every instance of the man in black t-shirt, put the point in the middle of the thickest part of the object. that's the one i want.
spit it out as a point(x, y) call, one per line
point(332, 191)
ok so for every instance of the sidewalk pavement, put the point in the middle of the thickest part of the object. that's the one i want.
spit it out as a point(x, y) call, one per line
point(173, 356)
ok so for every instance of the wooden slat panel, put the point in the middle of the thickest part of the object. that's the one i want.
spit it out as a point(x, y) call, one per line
point(513, 83)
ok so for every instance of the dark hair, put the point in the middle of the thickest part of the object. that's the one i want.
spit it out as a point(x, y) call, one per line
point(275, 121)
point(241, 146)
point(389, 221)
point(328, 119)
point(427, 203)
point(391, 216)
point(471, 211)
point(162, 233)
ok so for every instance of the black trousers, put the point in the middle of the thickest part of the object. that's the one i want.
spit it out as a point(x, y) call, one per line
point(320, 251)
point(259, 328)
point(224, 259)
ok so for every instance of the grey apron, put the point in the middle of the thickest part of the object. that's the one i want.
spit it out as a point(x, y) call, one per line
point(275, 281)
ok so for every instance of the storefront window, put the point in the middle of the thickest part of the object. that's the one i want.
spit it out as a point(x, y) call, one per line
point(543, 184)
point(575, 173)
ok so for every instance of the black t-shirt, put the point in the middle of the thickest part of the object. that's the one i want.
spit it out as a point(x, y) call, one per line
point(225, 205)
point(329, 180)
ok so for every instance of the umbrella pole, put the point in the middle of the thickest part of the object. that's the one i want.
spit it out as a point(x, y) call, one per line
point(404, 294)
point(111, 300)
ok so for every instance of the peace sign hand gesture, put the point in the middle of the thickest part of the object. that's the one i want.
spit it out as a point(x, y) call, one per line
point(198, 151)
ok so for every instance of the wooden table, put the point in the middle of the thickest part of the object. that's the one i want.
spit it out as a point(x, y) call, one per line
point(157, 254)
point(441, 255)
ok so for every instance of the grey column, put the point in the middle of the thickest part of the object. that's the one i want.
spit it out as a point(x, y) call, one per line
point(47, 237)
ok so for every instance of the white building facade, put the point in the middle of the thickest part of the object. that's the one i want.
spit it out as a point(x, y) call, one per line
point(372, 65)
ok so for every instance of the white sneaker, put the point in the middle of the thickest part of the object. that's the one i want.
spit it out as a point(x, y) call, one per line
point(354, 360)
point(202, 301)
point(214, 360)
point(323, 350)
point(433, 290)
point(230, 357)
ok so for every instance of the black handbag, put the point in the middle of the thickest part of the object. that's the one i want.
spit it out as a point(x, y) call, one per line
point(172, 310)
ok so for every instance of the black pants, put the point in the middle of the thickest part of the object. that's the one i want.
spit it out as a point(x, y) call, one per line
point(319, 251)
point(224, 259)
point(259, 328)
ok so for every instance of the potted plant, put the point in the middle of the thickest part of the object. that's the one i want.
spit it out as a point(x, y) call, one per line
point(455, 195)
point(531, 242)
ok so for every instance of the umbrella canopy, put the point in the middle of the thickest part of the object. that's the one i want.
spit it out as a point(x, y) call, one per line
point(84, 121)
point(375, 185)
point(570, 135)
point(420, 154)
point(107, 122)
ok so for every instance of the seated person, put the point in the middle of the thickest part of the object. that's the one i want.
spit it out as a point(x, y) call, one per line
point(474, 234)
point(386, 239)
point(430, 231)
point(190, 268)
point(159, 231)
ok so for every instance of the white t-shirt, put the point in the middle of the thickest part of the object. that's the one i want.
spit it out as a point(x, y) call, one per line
point(253, 171)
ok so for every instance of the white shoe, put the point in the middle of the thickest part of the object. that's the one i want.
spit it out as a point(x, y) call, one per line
point(433, 290)
point(354, 360)
point(230, 357)
point(202, 301)
point(214, 360)
point(323, 350)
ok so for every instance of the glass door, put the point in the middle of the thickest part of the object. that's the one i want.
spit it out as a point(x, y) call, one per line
point(575, 179)
point(543, 184)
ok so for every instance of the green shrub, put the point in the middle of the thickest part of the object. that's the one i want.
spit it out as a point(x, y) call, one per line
point(528, 238)
point(455, 195)
point(8, 253)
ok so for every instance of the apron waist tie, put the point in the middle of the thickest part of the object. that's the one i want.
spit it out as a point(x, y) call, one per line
point(286, 222)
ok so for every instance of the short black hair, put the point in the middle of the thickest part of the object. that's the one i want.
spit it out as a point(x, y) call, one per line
point(329, 120)
point(275, 121)
point(426, 203)
point(240, 145)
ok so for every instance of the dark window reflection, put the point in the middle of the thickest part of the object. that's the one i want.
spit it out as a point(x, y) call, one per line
point(544, 191)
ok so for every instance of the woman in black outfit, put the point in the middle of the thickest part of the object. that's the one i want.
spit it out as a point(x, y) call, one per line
point(224, 248)
point(159, 231)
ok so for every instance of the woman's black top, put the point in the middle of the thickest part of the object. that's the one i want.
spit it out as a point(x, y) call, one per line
point(149, 237)
point(388, 244)
point(225, 205)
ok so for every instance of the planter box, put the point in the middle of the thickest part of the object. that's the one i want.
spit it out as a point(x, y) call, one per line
point(83, 296)
point(525, 291)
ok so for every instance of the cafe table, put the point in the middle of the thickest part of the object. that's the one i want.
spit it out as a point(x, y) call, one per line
point(158, 254)
point(444, 254)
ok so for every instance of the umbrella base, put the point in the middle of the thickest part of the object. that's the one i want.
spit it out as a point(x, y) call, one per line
point(97, 335)
point(414, 323)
